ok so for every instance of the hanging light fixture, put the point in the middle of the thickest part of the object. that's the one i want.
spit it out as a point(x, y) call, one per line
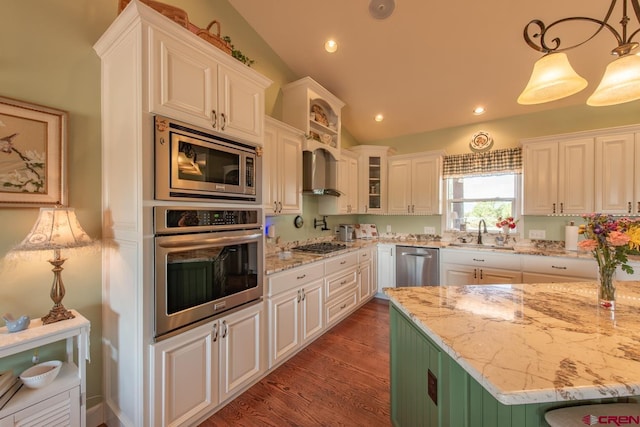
point(553, 77)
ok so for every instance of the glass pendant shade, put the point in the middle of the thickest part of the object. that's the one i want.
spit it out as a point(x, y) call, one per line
point(620, 83)
point(552, 78)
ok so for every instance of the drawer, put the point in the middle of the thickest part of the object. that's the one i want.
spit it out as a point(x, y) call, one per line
point(291, 279)
point(481, 259)
point(341, 262)
point(341, 307)
point(338, 283)
point(364, 256)
point(560, 266)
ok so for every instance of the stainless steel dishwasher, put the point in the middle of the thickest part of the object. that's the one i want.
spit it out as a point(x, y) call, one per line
point(417, 266)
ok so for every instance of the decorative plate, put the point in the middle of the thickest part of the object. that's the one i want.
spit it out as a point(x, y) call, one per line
point(481, 141)
point(298, 221)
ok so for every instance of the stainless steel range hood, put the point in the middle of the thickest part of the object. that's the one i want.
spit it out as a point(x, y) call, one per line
point(319, 173)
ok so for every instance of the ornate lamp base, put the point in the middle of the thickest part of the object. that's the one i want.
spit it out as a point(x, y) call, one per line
point(57, 312)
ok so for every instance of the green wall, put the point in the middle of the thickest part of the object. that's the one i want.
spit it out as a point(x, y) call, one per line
point(47, 58)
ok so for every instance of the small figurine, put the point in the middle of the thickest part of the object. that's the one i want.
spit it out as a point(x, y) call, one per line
point(15, 325)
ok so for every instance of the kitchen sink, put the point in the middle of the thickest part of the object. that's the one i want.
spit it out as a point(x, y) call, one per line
point(480, 246)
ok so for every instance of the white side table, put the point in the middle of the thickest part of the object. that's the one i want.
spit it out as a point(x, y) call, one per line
point(63, 399)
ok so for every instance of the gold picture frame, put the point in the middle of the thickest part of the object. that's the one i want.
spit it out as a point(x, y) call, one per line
point(33, 146)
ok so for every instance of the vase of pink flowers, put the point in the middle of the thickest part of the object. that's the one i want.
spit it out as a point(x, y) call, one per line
point(507, 225)
point(609, 239)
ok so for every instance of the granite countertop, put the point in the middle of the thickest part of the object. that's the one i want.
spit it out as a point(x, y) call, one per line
point(274, 264)
point(534, 343)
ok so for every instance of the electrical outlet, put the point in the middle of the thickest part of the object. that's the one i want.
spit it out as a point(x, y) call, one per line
point(388, 229)
point(429, 230)
point(537, 234)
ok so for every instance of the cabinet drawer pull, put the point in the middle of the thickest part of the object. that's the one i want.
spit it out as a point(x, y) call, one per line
point(557, 267)
point(478, 260)
point(480, 274)
point(629, 208)
point(343, 262)
point(475, 273)
point(215, 332)
point(561, 207)
point(343, 282)
point(224, 121)
point(554, 208)
point(343, 306)
point(299, 297)
point(303, 295)
point(301, 277)
point(638, 207)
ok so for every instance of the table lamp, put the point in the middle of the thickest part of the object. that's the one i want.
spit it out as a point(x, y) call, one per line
point(56, 229)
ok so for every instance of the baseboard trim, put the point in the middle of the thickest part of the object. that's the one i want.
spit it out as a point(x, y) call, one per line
point(95, 415)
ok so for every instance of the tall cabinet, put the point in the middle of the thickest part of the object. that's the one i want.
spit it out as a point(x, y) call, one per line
point(282, 168)
point(372, 169)
point(151, 65)
point(618, 173)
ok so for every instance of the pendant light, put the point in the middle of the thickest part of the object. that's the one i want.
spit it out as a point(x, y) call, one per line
point(553, 77)
point(621, 83)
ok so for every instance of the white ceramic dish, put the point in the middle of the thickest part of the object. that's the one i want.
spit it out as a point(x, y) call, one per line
point(42, 374)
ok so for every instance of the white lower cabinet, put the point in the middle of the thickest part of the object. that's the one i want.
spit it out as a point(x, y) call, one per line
point(386, 267)
point(341, 287)
point(199, 369)
point(296, 304)
point(461, 267)
point(546, 269)
point(367, 287)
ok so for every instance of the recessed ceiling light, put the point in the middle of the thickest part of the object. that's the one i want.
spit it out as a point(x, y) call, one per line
point(378, 118)
point(331, 46)
point(479, 110)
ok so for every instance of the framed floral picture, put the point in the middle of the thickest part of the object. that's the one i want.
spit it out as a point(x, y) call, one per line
point(33, 145)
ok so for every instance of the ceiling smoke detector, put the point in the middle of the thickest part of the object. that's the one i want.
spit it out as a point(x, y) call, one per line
point(381, 9)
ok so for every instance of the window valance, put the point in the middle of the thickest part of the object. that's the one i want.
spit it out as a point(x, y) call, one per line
point(494, 162)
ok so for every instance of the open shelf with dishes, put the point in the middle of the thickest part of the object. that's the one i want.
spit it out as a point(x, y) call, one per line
point(314, 110)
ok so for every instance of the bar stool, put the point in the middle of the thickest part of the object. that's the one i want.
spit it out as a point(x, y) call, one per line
point(579, 416)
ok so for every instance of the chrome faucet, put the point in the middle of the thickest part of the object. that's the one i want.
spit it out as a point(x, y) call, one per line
point(482, 222)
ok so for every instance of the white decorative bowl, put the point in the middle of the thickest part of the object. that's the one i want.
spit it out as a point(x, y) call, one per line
point(41, 374)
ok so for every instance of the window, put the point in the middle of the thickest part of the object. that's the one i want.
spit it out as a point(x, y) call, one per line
point(470, 199)
point(481, 186)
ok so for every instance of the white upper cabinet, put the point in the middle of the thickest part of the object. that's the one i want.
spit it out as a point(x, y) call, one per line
point(317, 112)
point(189, 84)
point(282, 168)
point(558, 176)
point(415, 184)
point(347, 182)
point(617, 173)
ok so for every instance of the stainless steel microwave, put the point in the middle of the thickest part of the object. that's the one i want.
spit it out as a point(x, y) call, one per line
point(194, 164)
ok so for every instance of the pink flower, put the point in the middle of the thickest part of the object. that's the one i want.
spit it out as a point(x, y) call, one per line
point(616, 238)
point(588, 245)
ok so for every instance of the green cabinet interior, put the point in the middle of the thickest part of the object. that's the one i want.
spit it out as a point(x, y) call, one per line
point(461, 400)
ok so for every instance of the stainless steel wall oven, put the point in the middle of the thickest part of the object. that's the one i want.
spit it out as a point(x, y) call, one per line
point(207, 261)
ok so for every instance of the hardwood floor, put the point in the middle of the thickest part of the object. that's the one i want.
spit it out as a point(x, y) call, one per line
point(341, 379)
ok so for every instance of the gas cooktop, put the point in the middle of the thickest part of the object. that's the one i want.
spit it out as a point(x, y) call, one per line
point(321, 248)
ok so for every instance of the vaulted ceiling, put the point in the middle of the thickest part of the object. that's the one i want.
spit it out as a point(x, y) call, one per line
point(429, 64)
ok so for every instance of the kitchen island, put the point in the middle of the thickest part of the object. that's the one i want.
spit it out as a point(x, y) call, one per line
point(502, 355)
